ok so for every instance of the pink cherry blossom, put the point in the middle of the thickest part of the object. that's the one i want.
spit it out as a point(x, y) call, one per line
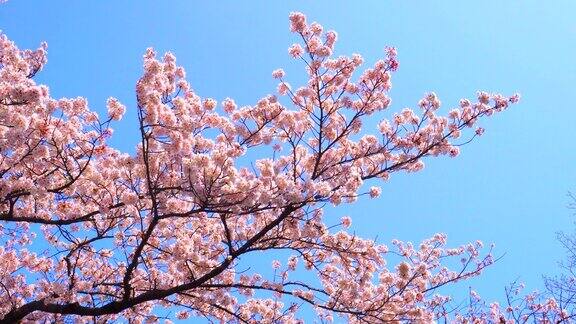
point(346, 221)
point(278, 74)
point(298, 22)
point(375, 192)
point(229, 105)
point(115, 109)
point(276, 264)
point(295, 50)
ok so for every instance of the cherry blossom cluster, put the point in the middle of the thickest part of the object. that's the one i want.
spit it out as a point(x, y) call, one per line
point(533, 307)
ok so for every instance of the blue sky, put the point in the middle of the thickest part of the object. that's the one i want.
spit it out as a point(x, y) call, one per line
point(509, 187)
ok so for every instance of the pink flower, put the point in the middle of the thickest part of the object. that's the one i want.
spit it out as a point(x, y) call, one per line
point(129, 198)
point(278, 74)
point(515, 98)
point(316, 28)
point(297, 22)
point(331, 37)
point(283, 88)
point(385, 128)
point(182, 315)
point(292, 262)
point(295, 50)
point(483, 97)
point(346, 221)
point(454, 113)
point(391, 51)
point(209, 104)
point(20, 121)
point(115, 109)
point(375, 192)
point(391, 60)
point(403, 270)
point(229, 105)
point(454, 151)
point(276, 264)
point(323, 51)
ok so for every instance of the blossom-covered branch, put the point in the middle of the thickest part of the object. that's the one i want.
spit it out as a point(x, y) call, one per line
point(122, 235)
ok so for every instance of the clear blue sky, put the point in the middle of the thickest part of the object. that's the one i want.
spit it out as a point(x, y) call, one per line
point(509, 187)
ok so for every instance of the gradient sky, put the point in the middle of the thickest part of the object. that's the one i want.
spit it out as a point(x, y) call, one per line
point(508, 187)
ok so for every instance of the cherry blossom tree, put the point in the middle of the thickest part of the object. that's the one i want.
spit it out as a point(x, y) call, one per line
point(563, 286)
point(517, 307)
point(91, 234)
